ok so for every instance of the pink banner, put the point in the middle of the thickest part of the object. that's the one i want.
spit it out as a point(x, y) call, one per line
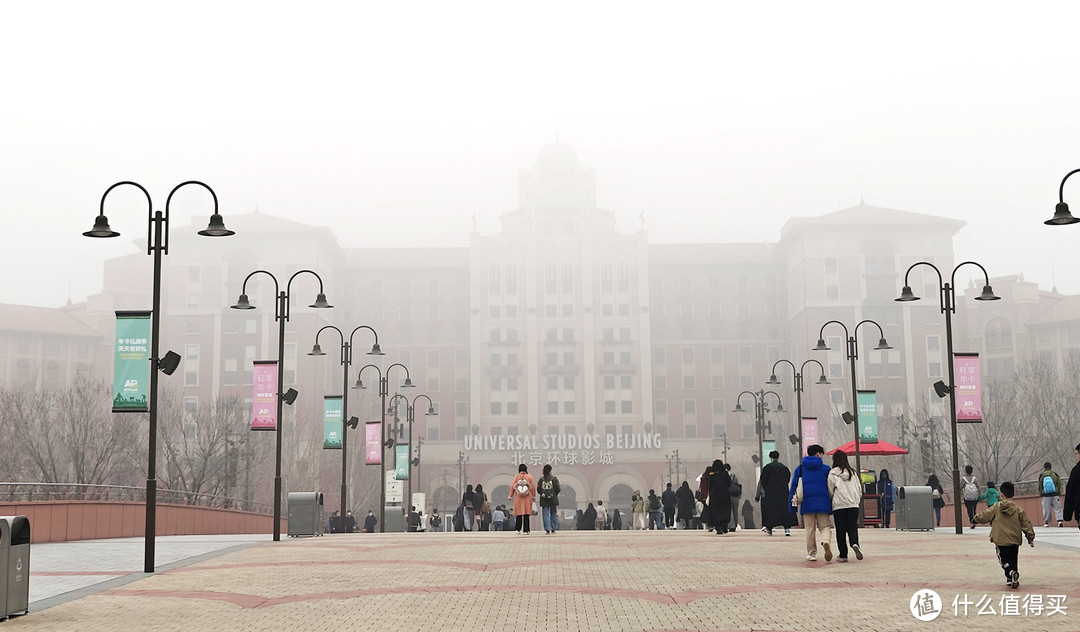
point(809, 431)
point(264, 395)
point(373, 431)
point(968, 390)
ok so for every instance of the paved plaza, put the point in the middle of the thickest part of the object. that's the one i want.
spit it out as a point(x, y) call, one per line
point(588, 580)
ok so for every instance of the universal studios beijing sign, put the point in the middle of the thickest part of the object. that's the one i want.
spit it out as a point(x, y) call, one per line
point(569, 449)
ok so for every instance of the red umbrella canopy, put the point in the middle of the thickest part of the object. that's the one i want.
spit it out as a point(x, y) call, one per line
point(881, 448)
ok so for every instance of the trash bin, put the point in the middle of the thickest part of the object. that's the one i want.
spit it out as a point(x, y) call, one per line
point(18, 566)
point(5, 548)
point(914, 508)
point(306, 514)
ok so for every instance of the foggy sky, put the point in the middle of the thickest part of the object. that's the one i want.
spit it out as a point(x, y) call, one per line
point(394, 125)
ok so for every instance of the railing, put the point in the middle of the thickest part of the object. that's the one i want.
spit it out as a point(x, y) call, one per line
point(65, 492)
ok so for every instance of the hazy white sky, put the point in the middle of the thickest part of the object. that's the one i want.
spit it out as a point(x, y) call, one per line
point(393, 123)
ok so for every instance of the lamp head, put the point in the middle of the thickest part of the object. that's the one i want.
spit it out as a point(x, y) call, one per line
point(375, 350)
point(290, 396)
point(169, 363)
point(907, 295)
point(848, 417)
point(101, 228)
point(320, 302)
point(772, 379)
point(359, 383)
point(821, 346)
point(431, 411)
point(822, 380)
point(779, 407)
point(987, 295)
point(242, 303)
point(882, 345)
point(216, 228)
point(316, 350)
point(353, 422)
point(407, 383)
point(941, 388)
point(1061, 216)
point(738, 408)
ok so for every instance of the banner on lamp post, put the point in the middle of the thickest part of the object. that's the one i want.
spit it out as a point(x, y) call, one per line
point(868, 422)
point(401, 462)
point(373, 443)
point(131, 363)
point(968, 389)
point(264, 395)
point(332, 422)
point(809, 431)
point(766, 448)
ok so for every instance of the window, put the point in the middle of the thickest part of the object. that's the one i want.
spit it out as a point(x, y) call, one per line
point(830, 265)
point(626, 407)
point(609, 382)
point(624, 277)
point(496, 408)
point(624, 381)
point(568, 382)
point(688, 382)
point(511, 408)
point(605, 278)
point(511, 384)
point(461, 384)
point(194, 274)
point(191, 407)
point(433, 359)
point(461, 359)
point(609, 407)
point(496, 383)
point(553, 408)
point(433, 385)
point(191, 365)
point(832, 292)
point(688, 355)
point(659, 355)
point(461, 410)
point(552, 383)
point(568, 407)
point(660, 382)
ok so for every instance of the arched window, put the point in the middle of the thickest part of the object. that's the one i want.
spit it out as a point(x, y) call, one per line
point(624, 277)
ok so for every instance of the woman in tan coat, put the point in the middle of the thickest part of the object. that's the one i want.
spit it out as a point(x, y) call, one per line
point(522, 491)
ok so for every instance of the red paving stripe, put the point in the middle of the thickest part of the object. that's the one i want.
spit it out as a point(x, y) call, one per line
point(678, 598)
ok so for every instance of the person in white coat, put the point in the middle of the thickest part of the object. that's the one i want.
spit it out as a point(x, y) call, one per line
point(845, 490)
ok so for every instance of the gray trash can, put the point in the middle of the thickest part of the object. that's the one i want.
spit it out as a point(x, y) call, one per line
point(5, 549)
point(18, 566)
point(914, 508)
point(306, 514)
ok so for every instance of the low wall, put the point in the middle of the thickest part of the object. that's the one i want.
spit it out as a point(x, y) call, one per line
point(61, 521)
point(1032, 506)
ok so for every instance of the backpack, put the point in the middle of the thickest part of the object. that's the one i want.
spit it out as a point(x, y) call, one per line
point(971, 490)
point(736, 487)
point(547, 488)
point(1048, 485)
point(522, 487)
point(654, 504)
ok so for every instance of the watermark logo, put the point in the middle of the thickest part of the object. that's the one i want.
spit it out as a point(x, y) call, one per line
point(925, 605)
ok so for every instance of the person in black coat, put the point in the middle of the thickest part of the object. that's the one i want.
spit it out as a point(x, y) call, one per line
point(719, 497)
point(670, 500)
point(685, 501)
point(1071, 508)
point(588, 519)
point(775, 479)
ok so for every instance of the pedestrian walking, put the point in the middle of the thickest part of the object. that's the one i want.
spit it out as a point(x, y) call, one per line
point(482, 507)
point(809, 493)
point(671, 502)
point(588, 518)
point(845, 494)
point(522, 491)
point(548, 489)
point(637, 508)
point(719, 497)
point(1008, 526)
point(887, 491)
point(656, 511)
point(685, 500)
point(938, 495)
point(498, 518)
point(468, 501)
point(369, 522)
point(1050, 490)
point(1072, 492)
point(601, 516)
point(775, 509)
point(704, 513)
point(616, 521)
point(735, 493)
point(969, 489)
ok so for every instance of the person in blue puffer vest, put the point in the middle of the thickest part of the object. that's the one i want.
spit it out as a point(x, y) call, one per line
point(810, 493)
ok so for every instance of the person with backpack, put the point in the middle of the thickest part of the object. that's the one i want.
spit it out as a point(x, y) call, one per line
point(656, 511)
point(938, 495)
point(969, 490)
point(637, 508)
point(522, 491)
point(1050, 490)
point(547, 488)
point(887, 491)
point(601, 516)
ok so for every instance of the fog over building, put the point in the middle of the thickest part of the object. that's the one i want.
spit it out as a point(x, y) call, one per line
point(563, 338)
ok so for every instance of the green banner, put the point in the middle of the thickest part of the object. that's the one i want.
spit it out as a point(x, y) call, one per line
point(131, 363)
point(766, 448)
point(867, 416)
point(332, 427)
point(401, 462)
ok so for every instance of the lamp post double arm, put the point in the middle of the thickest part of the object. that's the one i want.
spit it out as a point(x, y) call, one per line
point(852, 355)
point(157, 245)
point(798, 372)
point(384, 390)
point(346, 362)
point(281, 315)
point(760, 408)
point(410, 417)
point(947, 293)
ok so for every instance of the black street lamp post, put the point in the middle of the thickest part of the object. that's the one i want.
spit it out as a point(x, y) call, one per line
point(384, 390)
point(157, 244)
point(281, 315)
point(346, 362)
point(852, 355)
point(1062, 215)
point(410, 417)
point(760, 424)
point(773, 380)
point(947, 292)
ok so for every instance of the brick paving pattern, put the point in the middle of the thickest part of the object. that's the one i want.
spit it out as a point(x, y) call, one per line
point(594, 581)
